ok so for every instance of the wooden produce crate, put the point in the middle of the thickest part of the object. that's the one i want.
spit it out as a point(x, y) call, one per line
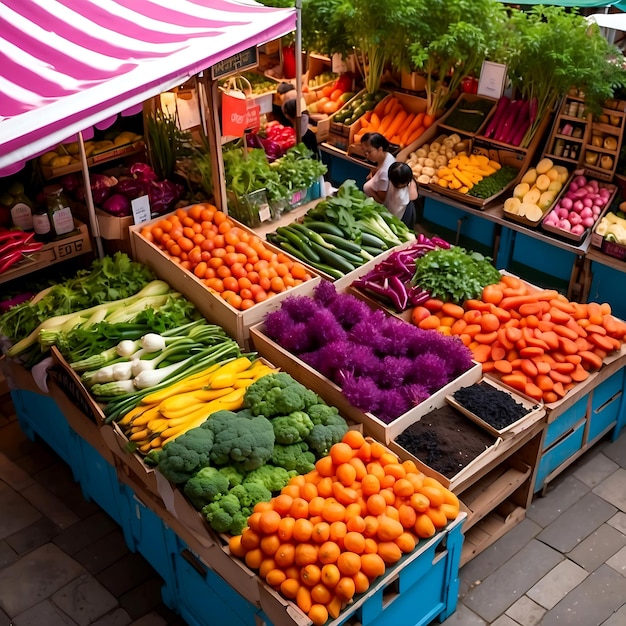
point(216, 310)
point(71, 245)
point(565, 234)
point(461, 109)
point(411, 104)
point(332, 394)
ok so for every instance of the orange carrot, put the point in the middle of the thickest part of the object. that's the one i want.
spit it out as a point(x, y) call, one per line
point(579, 374)
point(481, 352)
point(517, 380)
point(530, 352)
point(503, 366)
point(533, 391)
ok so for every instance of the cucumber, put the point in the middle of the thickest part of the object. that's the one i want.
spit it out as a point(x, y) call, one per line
point(295, 252)
point(331, 258)
point(324, 227)
point(367, 239)
point(342, 242)
point(373, 251)
point(309, 234)
point(297, 240)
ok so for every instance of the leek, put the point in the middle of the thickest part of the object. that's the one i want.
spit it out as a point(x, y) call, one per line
point(71, 320)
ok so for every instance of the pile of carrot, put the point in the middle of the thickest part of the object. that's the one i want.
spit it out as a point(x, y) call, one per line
point(535, 340)
point(232, 262)
point(394, 122)
point(331, 532)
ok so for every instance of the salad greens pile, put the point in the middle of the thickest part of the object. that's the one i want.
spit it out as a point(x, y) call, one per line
point(454, 275)
point(250, 171)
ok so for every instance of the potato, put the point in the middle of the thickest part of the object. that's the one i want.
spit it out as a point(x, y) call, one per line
point(421, 152)
point(423, 179)
point(552, 174)
point(544, 165)
point(434, 146)
point(428, 171)
point(433, 154)
point(531, 197)
point(546, 199)
point(533, 212)
point(512, 205)
point(530, 176)
point(421, 160)
point(430, 162)
point(442, 159)
point(543, 182)
point(520, 190)
point(555, 185)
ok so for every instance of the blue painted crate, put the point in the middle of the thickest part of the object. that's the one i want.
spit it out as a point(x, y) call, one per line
point(99, 483)
point(39, 415)
point(606, 404)
point(558, 453)
point(564, 422)
point(205, 598)
point(155, 541)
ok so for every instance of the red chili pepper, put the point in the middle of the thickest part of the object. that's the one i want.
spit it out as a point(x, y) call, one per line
point(7, 259)
point(16, 243)
point(10, 259)
point(15, 234)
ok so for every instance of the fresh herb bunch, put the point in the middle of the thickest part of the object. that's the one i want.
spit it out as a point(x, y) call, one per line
point(296, 168)
point(454, 275)
point(494, 183)
point(108, 279)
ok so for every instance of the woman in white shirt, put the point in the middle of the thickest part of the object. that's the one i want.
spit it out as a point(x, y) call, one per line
point(401, 193)
point(376, 149)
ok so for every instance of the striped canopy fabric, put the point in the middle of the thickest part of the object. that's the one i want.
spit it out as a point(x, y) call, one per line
point(66, 65)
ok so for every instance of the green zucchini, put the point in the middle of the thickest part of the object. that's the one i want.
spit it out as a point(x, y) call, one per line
point(324, 227)
point(367, 239)
point(373, 251)
point(297, 240)
point(342, 242)
point(332, 258)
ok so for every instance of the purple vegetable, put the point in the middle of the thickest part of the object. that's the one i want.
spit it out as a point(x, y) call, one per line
point(71, 182)
point(99, 181)
point(131, 188)
point(253, 141)
point(272, 149)
point(117, 205)
point(508, 119)
point(5, 305)
point(143, 172)
point(516, 131)
point(100, 194)
point(163, 196)
point(503, 104)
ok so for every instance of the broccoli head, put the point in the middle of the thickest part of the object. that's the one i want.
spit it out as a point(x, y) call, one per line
point(272, 478)
point(240, 439)
point(294, 456)
point(320, 413)
point(324, 435)
point(250, 494)
point(181, 458)
point(223, 512)
point(234, 477)
point(278, 394)
point(291, 428)
point(204, 486)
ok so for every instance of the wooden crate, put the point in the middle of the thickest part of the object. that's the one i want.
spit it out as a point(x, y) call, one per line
point(216, 310)
point(332, 394)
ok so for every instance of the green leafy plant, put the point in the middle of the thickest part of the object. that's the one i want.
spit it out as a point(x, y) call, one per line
point(166, 143)
point(448, 41)
point(551, 49)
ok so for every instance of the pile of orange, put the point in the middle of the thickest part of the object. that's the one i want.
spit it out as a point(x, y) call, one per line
point(227, 258)
point(332, 531)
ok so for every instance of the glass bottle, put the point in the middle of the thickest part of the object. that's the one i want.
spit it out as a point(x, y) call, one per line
point(41, 222)
point(21, 208)
point(61, 219)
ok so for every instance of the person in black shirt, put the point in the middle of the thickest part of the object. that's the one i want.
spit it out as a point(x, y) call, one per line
point(308, 137)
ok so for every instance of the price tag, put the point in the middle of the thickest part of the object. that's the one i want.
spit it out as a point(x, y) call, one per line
point(141, 209)
point(492, 80)
point(264, 212)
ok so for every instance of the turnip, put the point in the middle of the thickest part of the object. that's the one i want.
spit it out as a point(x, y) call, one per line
point(578, 229)
point(567, 203)
point(586, 212)
point(575, 218)
point(579, 181)
point(588, 222)
point(564, 225)
point(562, 213)
point(578, 206)
point(587, 201)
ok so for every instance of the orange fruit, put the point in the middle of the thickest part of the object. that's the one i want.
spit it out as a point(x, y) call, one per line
point(299, 508)
point(285, 528)
point(376, 504)
point(372, 565)
point(346, 473)
point(275, 578)
point(318, 614)
point(289, 588)
point(234, 545)
point(321, 594)
point(330, 575)
point(389, 552)
point(254, 558)
point(354, 542)
point(268, 522)
point(370, 484)
point(333, 511)
point(349, 563)
point(388, 528)
point(354, 439)
point(406, 542)
point(310, 574)
point(403, 487)
point(329, 552)
point(249, 539)
point(338, 531)
point(424, 527)
point(269, 544)
point(340, 453)
point(302, 529)
point(316, 506)
point(305, 554)
point(361, 582)
point(345, 588)
point(303, 599)
point(282, 503)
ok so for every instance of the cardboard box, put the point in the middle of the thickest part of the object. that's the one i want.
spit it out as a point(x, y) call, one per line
point(110, 226)
point(216, 310)
point(332, 394)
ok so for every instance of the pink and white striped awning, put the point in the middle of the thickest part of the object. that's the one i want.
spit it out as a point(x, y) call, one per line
point(68, 64)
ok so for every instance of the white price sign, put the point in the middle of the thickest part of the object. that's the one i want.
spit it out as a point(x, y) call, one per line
point(141, 209)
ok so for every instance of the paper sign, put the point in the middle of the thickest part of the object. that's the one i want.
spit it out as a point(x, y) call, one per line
point(492, 79)
point(141, 209)
point(188, 110)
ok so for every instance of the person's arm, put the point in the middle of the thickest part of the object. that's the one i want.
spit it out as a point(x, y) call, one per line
point(413, 192)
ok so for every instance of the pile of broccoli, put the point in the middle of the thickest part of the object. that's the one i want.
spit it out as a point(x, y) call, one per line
point(297, 414)
point(238, 458)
